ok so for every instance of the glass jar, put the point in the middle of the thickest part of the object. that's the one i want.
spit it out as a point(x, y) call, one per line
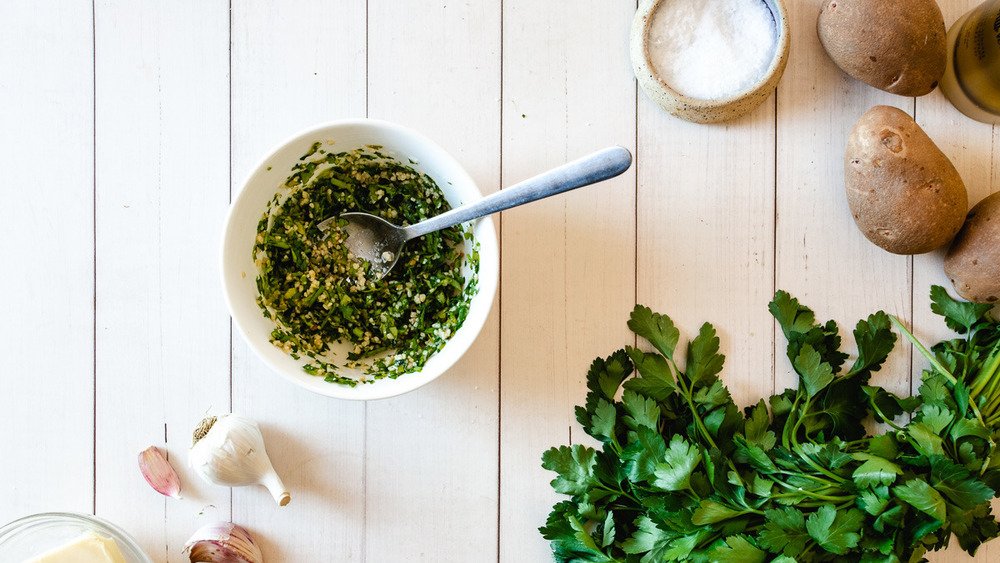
point(972, 79)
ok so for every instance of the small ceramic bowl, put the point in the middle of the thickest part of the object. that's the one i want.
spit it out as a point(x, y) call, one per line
point(34, 535)
point(239, 272)
point(704, 110)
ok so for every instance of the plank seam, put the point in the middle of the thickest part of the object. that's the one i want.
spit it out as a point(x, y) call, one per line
point(93, 38)
point(910, 360)
point(364, 424)
point(774, 249)
point(230, 180)
point(499, 397)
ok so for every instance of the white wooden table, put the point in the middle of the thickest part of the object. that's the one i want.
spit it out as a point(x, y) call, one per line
point(127, 126)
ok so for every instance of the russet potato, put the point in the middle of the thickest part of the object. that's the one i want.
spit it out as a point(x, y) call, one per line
point(894, 45)
point(973, 260)
point(903, 192)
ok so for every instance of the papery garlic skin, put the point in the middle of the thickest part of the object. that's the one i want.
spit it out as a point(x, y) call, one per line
point(223, 542)
point(159, 473)
point(231, 453)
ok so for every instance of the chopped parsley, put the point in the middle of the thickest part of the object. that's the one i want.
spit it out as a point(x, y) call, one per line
point(318, 294)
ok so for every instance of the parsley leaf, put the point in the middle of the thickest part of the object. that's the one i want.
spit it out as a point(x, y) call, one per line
point(792, 317)
point(658, 329)
point(784, 531)
point(956, 483)
point(642, 456)
point(703, 360)
point(738, 549)
point(655, 378)
point(874, 471)
point(814, 373)
point(959, 316)
point(674, 472)
point(920, 495)
point(575, 466)
point(836, 531)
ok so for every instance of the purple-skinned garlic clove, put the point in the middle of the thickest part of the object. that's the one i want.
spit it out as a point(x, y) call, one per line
point(159, 473)
point(223, 542)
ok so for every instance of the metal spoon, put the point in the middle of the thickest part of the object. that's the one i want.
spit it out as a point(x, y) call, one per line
point(379, 242)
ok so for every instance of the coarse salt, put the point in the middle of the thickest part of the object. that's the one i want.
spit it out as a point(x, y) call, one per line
point(710, 49)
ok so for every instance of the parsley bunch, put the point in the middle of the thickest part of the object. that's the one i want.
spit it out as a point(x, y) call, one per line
point(683, 475)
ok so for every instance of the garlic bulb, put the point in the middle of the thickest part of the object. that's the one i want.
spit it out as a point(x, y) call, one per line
point(229, 450)
point(222, 542)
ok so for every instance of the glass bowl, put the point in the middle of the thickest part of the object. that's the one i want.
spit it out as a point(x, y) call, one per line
point(33, 535)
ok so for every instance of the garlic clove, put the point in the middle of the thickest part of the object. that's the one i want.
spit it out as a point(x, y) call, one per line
point(159, 473)
point(223, 542)
point(229, 450)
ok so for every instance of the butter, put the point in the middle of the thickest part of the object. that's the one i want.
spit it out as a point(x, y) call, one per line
point(87, 548)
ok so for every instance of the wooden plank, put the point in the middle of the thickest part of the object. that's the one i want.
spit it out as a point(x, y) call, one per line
point(47, 241)
point(568, 263)
point(706, 235)
point(162, 190)
point(970, 146)
point(861, 277)
point(821, 257)
point(446, 432)
point(296, 64)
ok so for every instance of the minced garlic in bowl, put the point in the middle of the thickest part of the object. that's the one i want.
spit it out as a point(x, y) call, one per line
point(320, 318)
point(319, 294)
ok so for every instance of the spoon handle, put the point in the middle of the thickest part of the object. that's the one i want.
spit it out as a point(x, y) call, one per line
point(601, 165)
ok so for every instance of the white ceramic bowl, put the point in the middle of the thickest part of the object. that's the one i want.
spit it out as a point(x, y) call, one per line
point(33, 535)
point(239, 273)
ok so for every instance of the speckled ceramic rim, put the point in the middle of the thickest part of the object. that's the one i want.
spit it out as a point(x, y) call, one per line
point(698, 110)
point(126, 543)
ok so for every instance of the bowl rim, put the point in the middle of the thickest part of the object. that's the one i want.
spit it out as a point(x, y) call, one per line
point(105, 527)
point(487, 283)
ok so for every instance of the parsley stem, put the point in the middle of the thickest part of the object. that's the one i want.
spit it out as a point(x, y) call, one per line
point(812, 463)
point(993, 420)
point(808, 493)
point(990, 409)
point(802, 417)
point(687, 393)
point(796, 491)
point(990, 394)
point(923, 351)
point(816, 478)
point(620, 492)
point(871, 403)
point(701, 425)
point(988, 374)
point(798, 448)
point(785, 431)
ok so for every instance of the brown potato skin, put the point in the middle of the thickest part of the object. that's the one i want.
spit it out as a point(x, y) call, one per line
point(903, 192)
point(894, 45)
point(973, 261)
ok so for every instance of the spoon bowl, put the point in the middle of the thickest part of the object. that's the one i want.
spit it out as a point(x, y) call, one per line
point(370, 238)
point(378, 242)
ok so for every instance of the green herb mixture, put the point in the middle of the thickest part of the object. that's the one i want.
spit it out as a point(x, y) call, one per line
point(683, 475)
point(318, 293)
